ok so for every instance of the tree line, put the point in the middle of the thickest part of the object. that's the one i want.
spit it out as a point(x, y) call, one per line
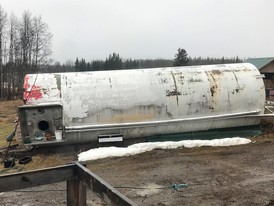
point(114, 61)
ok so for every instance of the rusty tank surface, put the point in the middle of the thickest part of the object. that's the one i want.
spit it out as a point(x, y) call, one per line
point(67, 108)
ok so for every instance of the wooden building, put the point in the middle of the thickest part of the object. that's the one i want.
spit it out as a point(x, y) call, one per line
point(266, 67)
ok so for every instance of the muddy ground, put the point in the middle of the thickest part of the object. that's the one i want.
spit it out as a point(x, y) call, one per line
point(235, 175)
point(238, 175)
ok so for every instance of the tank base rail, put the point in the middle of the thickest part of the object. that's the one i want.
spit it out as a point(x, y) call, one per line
point(77, 177)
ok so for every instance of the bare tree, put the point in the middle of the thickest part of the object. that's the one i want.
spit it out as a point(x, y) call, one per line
point(25, 45)
point(12, 38)
point(3, 23)
point(26, 40)
point(15, 73)
point(35, 41)
point(42, 41)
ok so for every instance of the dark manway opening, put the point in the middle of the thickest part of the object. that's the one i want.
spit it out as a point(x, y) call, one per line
point(43, 125)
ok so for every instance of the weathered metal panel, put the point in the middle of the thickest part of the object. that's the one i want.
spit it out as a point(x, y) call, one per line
point(151, 101)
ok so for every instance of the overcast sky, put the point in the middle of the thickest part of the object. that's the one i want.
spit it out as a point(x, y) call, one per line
point(154, 28)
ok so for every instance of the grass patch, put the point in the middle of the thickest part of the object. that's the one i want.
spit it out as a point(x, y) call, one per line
point(5, 130)
point(8, 113)
point(40, 161)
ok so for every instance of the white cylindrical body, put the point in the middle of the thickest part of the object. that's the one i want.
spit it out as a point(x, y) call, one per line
point(144, 102)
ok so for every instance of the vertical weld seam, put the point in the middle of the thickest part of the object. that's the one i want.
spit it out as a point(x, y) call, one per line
point(176, 91)
point(235, 77)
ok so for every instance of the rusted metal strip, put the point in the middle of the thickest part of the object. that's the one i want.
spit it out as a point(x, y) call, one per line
point(35, 178)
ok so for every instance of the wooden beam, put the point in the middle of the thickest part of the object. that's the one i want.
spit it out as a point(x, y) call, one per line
point(36, 178)
point(108, 193)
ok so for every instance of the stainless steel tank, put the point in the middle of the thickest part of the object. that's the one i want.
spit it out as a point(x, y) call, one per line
point(140, 102)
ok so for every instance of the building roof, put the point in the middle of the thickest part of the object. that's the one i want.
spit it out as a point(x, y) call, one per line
point(260, 62)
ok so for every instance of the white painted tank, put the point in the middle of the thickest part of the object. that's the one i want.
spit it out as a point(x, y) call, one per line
point(143, 102)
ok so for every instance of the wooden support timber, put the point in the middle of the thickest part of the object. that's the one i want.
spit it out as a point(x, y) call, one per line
point(77, 177)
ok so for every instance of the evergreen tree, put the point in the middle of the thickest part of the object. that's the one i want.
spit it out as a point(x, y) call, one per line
point(131, 64)
point(113, 62)
point(83, 65)
point(97, 65)
point(181, 58)
point(77, 65)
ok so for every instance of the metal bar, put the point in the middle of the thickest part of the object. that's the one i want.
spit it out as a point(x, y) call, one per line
point(105, 190)
point(35, 178)
point(47, 104)
point(156, 123)
point(82, 194)
point(268, 108)
point(73, 192)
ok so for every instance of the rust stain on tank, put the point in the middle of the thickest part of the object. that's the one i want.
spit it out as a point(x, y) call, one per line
point(216, 72)
point(213, 90)
point(237, 90)
point(173, 93)
point(141, 113)
point(214, 78)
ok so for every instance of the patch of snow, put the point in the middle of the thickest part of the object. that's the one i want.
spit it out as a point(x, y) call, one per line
point(104, 152)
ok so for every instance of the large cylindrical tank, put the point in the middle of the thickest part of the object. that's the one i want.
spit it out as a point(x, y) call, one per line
point(144, 102)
